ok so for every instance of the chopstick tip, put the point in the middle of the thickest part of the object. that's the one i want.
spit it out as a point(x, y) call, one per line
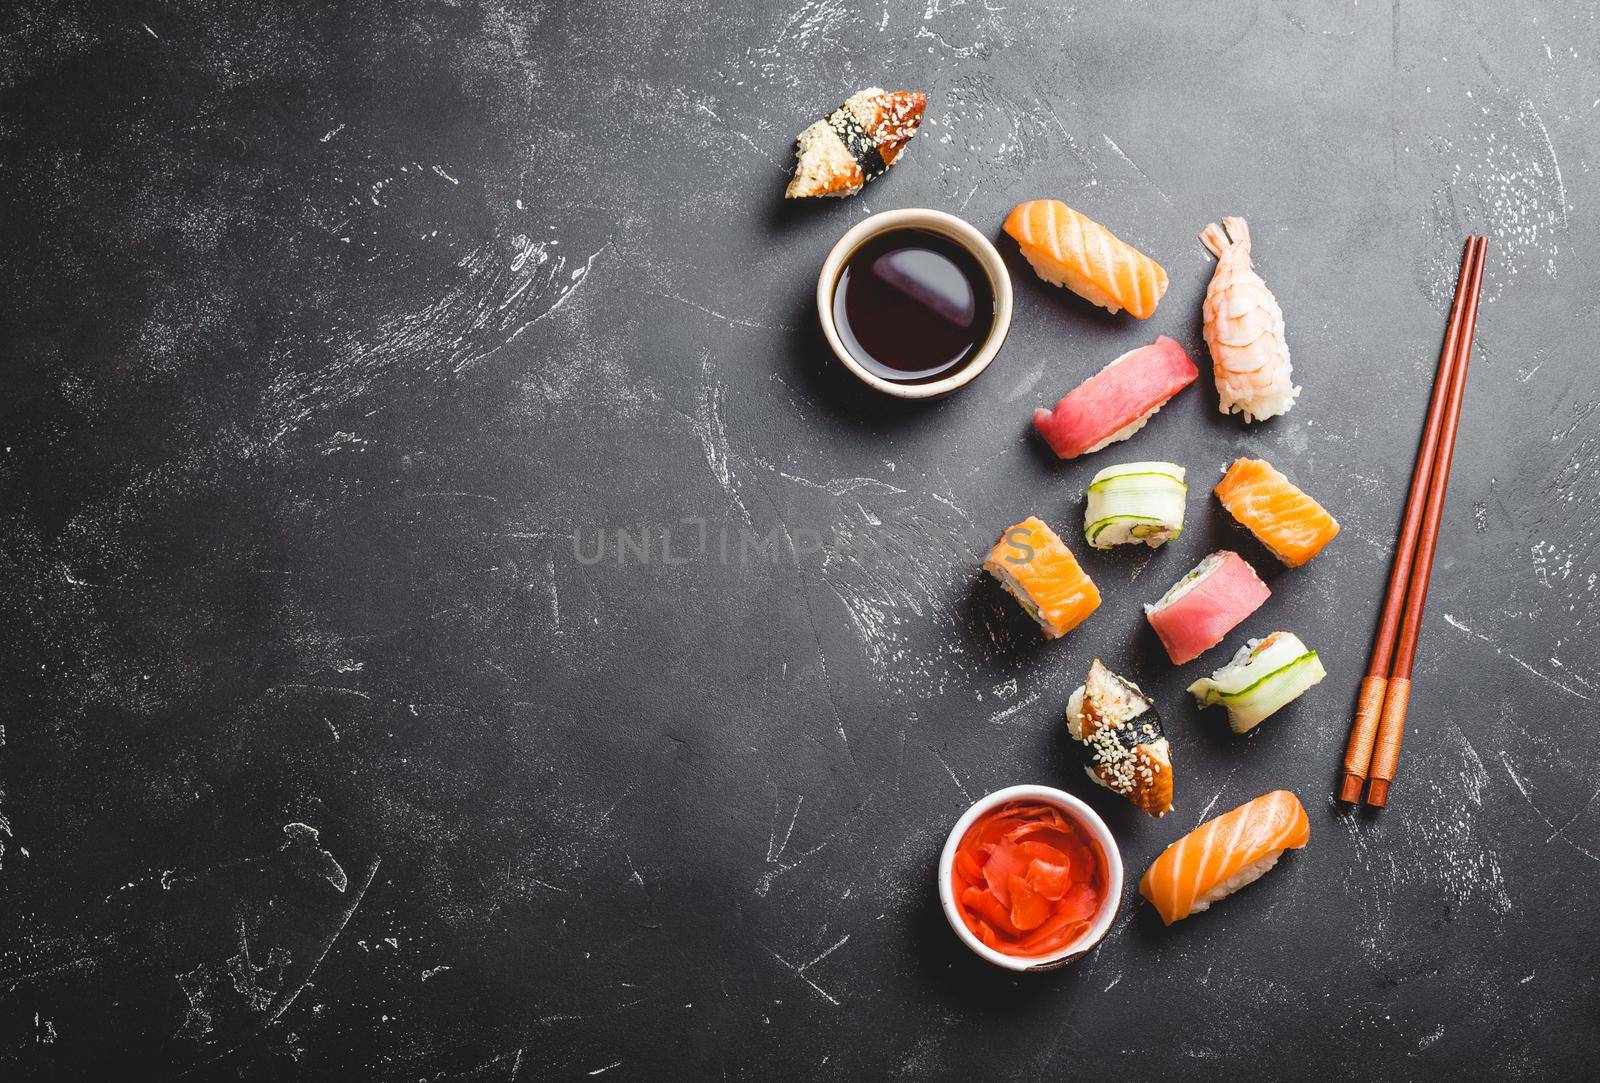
point(1350, 788)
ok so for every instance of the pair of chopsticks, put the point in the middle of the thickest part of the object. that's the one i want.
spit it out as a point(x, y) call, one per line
point(1373, 751)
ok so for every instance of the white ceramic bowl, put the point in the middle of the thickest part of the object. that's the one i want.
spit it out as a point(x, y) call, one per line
point(1080, 814)
point(946, 225)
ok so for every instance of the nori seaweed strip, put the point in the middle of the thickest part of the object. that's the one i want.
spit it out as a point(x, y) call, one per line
point(862, 147)
point(1130, 732)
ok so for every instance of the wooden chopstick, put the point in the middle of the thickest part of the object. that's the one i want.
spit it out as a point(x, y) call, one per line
point(1370, 699)
point(1391, 726)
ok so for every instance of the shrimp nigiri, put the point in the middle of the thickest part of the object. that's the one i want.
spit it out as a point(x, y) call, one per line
point(1244, 329)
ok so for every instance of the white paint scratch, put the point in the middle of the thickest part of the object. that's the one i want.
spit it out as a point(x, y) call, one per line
point(1502, 652)
point(800, 972)
point(1005, 713)
point(1135, 167)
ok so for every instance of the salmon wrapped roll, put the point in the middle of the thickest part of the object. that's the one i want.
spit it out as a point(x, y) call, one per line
point(1284, 519)
point(1071, 250)
point(1223, 855)
point(1038, 569)
point(855, 143)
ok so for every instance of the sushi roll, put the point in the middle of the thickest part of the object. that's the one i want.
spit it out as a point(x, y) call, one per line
point(1265, 675)
point(1223, 855)
point(1135, 502)
point(1205, 605)
point(855, 143)
point(1070, 250)
point(1036, 566)
point(1284, 519)
point(1128, 751)
point(1243, 328)
point(1115, 402)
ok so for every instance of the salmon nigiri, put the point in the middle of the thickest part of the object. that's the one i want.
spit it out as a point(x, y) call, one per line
point(1223, 855)
point(1284, 519)
point(1068, 249)
point(1032, 562)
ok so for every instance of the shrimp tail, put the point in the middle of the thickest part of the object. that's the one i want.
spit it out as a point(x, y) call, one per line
point(1239, 230)
point(1215, 240)
point(1233, 233)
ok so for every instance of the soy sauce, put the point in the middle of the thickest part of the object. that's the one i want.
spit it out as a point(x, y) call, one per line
point(912, 306)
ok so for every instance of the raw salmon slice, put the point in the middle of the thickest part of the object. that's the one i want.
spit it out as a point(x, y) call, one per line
point(1071, 250)
point(1036, 566)
point(1284, 519)
point(1223, 855)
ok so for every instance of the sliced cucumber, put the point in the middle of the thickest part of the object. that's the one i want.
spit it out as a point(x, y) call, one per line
point(1135, 502)
point(1263, 677)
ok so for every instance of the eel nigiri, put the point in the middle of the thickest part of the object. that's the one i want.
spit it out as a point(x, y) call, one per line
point(1135, 502)
point(1266, 675)
point(1281, 516)
point(1223, 855)
point(1068, 249)
point(1117, 401)
point(1036, 566)
point(1243, 328)
point(1205, 605)
point(1128, 749)
point(855, 143)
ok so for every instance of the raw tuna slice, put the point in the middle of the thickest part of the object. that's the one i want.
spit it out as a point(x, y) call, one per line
point(1115, 402)
point(1205, 605)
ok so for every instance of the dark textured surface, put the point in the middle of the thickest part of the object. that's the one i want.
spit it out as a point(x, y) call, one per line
point(327, 327)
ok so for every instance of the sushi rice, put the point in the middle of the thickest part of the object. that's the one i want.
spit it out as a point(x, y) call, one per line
point(1208, 564)
point(1264, 676)
point(1135, 502)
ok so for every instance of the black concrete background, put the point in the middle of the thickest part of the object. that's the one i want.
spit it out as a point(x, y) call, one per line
point(328, 326)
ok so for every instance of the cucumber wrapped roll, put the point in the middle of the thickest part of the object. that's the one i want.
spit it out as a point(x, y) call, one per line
point(1265, 675)
point(1135, 502)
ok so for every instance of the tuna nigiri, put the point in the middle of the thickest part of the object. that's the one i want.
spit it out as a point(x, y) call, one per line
point(1243, 327)
point(1284, 519)
point(1117, 401)
point(1036, 566)
point(1205, 605)
point(1067, 249)
point(1223, 855)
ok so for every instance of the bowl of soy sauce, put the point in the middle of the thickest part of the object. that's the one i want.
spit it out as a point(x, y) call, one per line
point(916, 303)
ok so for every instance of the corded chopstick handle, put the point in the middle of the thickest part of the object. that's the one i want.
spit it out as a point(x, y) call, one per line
point(1391, 731)
point(1363, 733)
